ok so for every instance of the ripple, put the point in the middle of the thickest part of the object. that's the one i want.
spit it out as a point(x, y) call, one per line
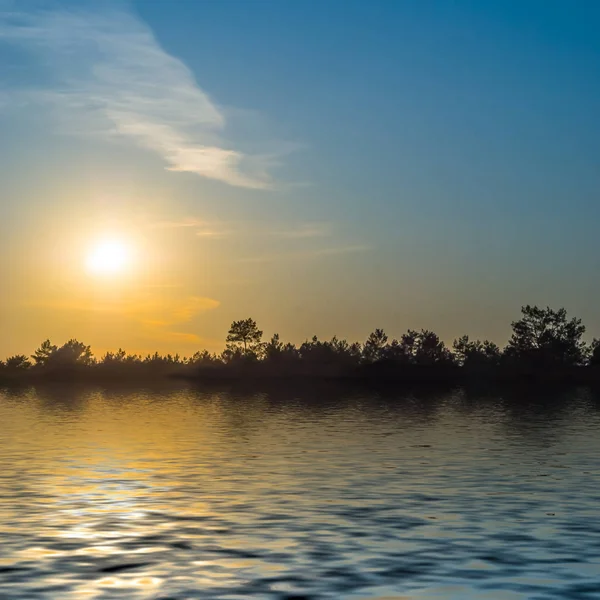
point(182, 495)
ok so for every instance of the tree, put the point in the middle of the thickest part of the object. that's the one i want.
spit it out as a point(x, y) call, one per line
point(476, 354)
point(203, 358)
point(114, 358)
point(374, 348)
point(274, 347)
point(19, 362)
point(543, 337)
point(329, 358)
point(157, 360)
point(244, 333)
point(594, 358)
point(71, 353)
point(462, 348)
point(329, 352)
point(424, 348)
point(396, 352)
point(42, 355)
point(233, 353)
point(276, 351)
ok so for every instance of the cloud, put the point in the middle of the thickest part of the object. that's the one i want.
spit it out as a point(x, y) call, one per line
point(189, 222)
point(163, 335)
point(184, 310)
point(303, 231)
point(165, 310)
point(161, 319)
point(157, 316)
point(307, 254)
point(214, 234)
point(216, 230)
point(202, 228)
point(111, 77)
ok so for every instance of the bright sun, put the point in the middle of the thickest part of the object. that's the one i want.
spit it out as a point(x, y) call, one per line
point(109, 257)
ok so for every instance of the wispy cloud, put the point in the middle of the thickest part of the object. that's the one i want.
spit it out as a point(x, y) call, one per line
point(187, 308)
point(214, 234)
point(159, 317)
point(182, 223)
point(307, 254)
point(304, 230)
point(201, 228)
point(219, 230)
point(163, 335)
point(112, 77)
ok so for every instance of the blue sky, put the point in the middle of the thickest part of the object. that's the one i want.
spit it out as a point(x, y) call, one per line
point(328, 167)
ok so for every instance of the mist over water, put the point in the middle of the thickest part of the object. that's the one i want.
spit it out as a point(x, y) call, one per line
point(180, 494)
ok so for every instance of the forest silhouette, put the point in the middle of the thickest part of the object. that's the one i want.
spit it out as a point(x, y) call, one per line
point(545, 345)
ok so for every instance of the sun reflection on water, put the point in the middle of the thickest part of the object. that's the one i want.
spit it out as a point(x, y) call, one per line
point(153, 496)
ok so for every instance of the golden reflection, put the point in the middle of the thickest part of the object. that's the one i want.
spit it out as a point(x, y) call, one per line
point(108, 581)
point(38, 553)
point(146, 582)
point(122, 494)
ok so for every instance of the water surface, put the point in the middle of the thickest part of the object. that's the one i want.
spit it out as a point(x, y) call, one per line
point(182, 494)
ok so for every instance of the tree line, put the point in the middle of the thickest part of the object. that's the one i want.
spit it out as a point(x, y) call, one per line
point(544, 343)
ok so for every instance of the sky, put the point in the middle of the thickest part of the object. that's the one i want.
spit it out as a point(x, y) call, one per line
point(323, 167)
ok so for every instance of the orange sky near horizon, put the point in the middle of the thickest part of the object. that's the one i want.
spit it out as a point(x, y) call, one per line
point(441, 190)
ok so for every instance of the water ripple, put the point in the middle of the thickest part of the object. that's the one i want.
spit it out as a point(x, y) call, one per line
point(178, 494)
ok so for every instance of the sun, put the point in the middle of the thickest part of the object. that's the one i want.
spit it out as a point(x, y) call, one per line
point(109, 257)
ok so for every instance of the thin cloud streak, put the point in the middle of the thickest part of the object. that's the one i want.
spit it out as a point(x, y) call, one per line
point(303, 231)
point(156, 316)
point(202, 228)
point(144, 308)
point(177, 224)
point(308, 254)
point(112, 77)
point(220, 230)
point(213, 234)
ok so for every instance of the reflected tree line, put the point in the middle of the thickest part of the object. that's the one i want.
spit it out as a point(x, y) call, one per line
point(545, 343)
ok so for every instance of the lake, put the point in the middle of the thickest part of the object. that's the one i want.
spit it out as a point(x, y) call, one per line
point(178, 493)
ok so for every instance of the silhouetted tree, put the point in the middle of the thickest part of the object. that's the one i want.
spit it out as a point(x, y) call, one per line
point(275, 351)
point(543, 337)
point(425, 348)
point(273, 347)
point(120, 363)
point(44, 352)
point(235, 354)
point(72, 352)
point(246, 333)
point(114, 358)
point(476, 354)
point(543, 342)
point(594, 354)
point(157, 360)
point(396, 352)
point(17, 363)
point(329, 358)
point(374, 348)
point(349, 353)
point(203, 359)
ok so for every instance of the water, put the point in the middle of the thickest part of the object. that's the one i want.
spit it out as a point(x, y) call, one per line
point(181, 494)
